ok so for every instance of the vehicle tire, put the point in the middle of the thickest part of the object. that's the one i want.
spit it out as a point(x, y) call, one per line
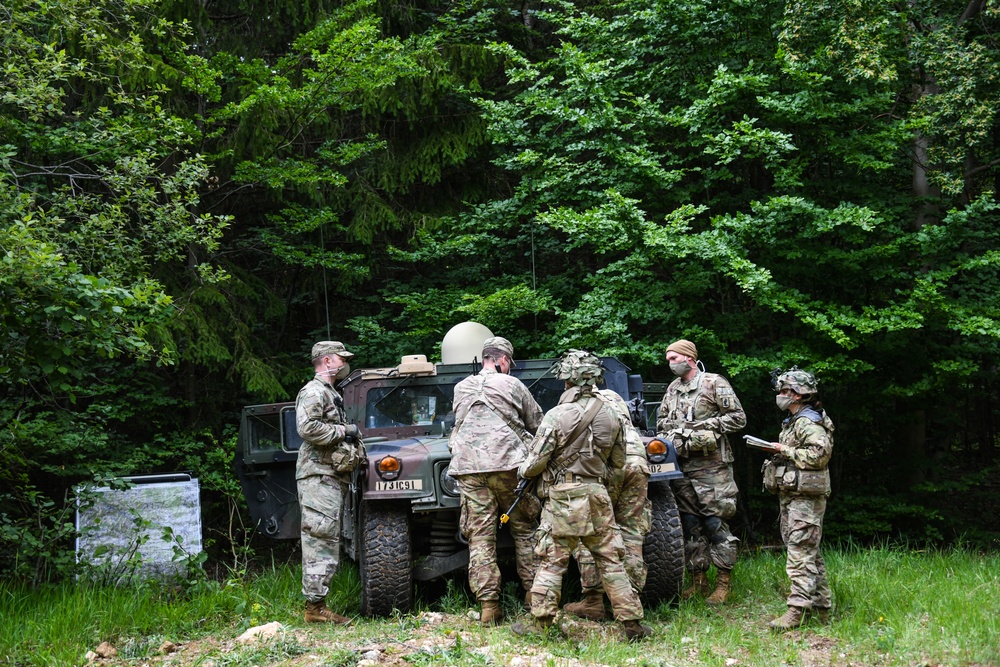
point(663, 549)
point(386, 559)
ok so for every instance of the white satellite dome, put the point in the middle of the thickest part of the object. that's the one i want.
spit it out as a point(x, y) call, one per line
point(463, 343)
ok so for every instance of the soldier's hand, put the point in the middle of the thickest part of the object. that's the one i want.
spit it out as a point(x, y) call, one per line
point(352, 431)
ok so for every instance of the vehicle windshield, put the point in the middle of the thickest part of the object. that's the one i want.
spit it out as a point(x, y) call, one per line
point(388, 407)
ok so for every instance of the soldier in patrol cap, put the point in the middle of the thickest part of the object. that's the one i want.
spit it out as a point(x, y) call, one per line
point(495, 417)
point(578, 443)
point(802, 456)
point(696, 413)
point(330, 450)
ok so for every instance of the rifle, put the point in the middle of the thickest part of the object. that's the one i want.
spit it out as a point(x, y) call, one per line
point(759, 443)
point(519, 491)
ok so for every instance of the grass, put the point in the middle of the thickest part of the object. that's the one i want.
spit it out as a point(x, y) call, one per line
point(893, 607)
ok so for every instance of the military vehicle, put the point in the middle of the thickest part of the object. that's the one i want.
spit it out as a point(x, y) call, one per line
point(401, 513)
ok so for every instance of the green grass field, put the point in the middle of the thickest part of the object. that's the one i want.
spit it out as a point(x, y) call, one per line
point(893, 607)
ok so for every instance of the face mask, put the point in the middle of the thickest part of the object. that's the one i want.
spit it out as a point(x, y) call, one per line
point(338, 373)
point(784, 402)
point(680, 368)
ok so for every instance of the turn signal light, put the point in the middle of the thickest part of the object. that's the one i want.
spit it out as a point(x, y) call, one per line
point(656, 450)
point(389, 467)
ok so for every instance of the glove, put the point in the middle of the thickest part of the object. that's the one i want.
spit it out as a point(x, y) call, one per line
point(352, 431)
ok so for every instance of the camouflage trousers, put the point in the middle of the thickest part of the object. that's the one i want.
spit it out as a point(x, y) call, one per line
point(802, 531)
point(606, 546)
point(706, 498)
point(628, 489)
point(485, 496)
point(321, 498)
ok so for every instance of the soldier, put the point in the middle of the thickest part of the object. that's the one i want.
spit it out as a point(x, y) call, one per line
point(802, 480)
point(495, 416)
point(329, 451)
point(696, 413)
point(628, 489)
point(578, 442)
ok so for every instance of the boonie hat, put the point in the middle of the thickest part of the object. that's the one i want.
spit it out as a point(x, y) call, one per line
point(326, 347)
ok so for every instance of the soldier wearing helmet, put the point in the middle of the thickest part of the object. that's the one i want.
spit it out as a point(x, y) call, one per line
point(801, 479)
point(578, 443)
point(696, 413)
point(495, 416)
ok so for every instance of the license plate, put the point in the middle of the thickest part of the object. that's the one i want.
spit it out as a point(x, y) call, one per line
point(400, 485)
point(661, 467)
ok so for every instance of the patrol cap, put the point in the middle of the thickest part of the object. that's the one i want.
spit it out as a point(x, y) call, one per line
point(499, 343)
point(580, 367)
point(800, 381)
point(326, 347)
point(684, 347)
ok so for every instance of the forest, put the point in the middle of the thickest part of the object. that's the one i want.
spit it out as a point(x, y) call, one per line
point(193, 192)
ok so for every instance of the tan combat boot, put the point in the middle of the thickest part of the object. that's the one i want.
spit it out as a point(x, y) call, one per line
point(721, 591)
point(492, 613)
point(699, 586)
point(591, 606)
point(316, 612)
point(636, 631)
point(792, 618)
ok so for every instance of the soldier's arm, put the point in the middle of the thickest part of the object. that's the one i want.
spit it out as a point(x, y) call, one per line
point(663, 425)
point(312, 427)
point(616, 458)
point(816, 448)
point(540, 451)
point(731, 415)
point(531, 412)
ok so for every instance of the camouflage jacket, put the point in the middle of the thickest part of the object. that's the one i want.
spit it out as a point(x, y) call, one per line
point(705, 404)
point(597, 448)
point(809, 434)
point(320, 420)
point(635, 451)
point(495, 415)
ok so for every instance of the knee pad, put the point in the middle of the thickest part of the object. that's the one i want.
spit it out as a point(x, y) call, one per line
point(717, 530)
point(691, 524)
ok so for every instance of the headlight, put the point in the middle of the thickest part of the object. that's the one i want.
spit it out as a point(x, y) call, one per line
point(448, 483)
point(656, 451)
point(389, 467)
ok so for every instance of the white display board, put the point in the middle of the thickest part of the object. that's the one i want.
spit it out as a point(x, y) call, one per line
point(121, 534)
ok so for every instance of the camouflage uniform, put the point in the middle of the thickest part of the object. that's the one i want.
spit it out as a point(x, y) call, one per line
point(320, 419)
point(628, 489)
point(495, 415)
point(696, 415)
point(808, 437)
point(578, 507)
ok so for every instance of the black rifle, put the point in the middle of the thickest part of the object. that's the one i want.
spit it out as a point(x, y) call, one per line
point(522, 488)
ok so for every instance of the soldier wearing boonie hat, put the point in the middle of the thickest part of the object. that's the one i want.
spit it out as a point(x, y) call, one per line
point(697, 411)
point(330, 445)
point(495, 415)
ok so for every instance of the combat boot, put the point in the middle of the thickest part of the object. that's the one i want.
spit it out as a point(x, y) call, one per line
point(316, 612)
point(492, 613)
point(699, 586)
point(540, 626)
point(721, 591)
point(636, 631)
point(792, 618)
point(591, 606)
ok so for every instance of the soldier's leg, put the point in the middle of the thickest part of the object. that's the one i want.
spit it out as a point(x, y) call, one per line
point(609, 551)
point(822, 595)
point(803, 529)
point(553, 560)
point(633, 514)
point(522, 524)
point(695, 544)
point(590, 580)
point(479, 525)
point(321, 500)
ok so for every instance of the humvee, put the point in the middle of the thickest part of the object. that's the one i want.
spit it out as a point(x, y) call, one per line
point(401, 512)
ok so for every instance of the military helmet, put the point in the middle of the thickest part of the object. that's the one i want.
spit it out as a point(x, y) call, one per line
point(580, 367)
point(800, 381)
